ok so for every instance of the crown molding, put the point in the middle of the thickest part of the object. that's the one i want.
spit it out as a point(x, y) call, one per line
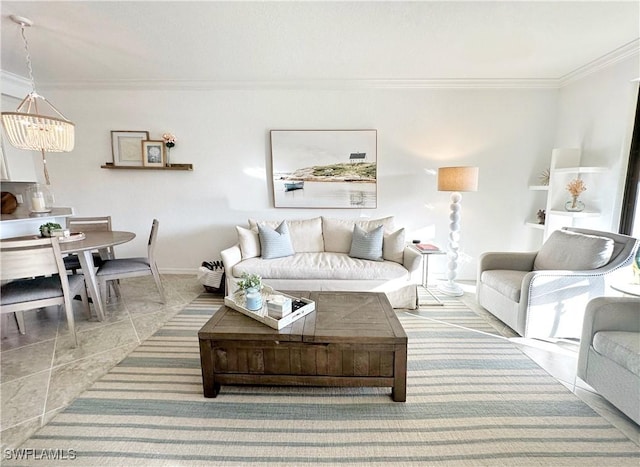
point(310, 84)
point(14, 85)
point(621, 53)
point(18, 86)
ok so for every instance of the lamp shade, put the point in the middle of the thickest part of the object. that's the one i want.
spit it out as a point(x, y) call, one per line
point(458, 179)
point(38, 132)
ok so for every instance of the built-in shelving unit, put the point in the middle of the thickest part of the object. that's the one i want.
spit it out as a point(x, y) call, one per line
point(137, 167)
point(565, 166)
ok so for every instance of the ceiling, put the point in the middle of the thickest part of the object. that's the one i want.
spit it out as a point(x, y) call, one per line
point(102, 43)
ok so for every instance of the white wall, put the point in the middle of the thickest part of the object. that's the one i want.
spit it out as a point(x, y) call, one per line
point(508, 133)
point(596, 114)
point(225, 134)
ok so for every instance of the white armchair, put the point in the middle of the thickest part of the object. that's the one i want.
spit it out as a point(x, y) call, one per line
point(544, 294)
point(609, 358)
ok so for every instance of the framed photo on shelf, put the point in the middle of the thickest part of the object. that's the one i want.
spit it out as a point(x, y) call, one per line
point(125, 147)
point(324, 168)
point(153, 153)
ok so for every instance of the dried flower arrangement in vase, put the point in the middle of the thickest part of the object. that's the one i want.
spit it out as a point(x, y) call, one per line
point(575, 188)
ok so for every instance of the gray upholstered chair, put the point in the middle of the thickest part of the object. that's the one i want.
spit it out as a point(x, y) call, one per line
point(609, 358)
point(36, 277)
point(543, 294)
point(121, 268)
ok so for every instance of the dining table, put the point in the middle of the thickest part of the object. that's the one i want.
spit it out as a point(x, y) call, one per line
point(84, 244)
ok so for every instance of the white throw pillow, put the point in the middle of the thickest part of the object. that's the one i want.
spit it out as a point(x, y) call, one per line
point(367, 245)
point(337, 233)
point(393, 246)
point(275, 243)
point(306, 234)
point(249, 242)
point(573, 251)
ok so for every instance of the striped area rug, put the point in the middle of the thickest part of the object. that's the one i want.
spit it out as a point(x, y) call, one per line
point(472, 399)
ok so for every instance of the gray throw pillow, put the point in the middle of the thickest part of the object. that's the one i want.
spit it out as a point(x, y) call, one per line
point(367, 245)
point(573, 251)
point(275, 243)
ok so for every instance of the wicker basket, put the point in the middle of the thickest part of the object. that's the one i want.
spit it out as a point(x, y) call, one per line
point(211, 277)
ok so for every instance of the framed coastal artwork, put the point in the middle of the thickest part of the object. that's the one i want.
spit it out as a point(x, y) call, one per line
point(324, 168)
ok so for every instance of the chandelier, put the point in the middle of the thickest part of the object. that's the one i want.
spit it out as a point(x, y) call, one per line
point(27, 127)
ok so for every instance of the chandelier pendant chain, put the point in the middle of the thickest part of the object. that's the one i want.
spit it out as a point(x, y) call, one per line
point(29, 67)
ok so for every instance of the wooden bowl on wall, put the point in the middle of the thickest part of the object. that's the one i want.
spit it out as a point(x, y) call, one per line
point(9, 203)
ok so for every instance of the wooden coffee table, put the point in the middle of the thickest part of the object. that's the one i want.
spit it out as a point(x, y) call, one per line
point(352, 339)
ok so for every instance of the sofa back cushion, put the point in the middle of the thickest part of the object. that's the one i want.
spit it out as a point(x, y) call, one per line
point(573, 251)
point(338, 233)
point(306, 234)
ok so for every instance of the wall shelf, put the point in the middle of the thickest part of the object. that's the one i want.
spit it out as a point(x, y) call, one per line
point(557, 212)
point(539, 187)
point(565, 165)
point(136, 167)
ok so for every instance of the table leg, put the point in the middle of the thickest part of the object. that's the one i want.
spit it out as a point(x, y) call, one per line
point(89, 271)
point(425, 280)
point(399, 390)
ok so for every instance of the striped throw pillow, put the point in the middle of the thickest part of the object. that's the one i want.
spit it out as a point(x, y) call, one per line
point(275, 243)
point(367, 245)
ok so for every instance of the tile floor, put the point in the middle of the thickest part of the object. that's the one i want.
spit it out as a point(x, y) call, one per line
point(41, 373)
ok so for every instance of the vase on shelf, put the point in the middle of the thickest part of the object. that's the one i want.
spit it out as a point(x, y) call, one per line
point(574, 205)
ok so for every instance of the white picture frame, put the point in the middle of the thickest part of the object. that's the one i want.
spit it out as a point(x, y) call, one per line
point(126, 148)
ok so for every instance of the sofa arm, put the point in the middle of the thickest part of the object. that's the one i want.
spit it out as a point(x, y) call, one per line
point(514, 261)
point(230, 257)
point(411, 260)
point(607, 314)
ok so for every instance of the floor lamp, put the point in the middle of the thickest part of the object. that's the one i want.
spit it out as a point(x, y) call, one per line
point(455, 179)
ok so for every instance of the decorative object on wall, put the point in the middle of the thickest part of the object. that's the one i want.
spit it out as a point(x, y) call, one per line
point(153, 153)
point(455, 179)
point(169, 142)
point(125, 147)
point(541, 215)
point(324, 168)
point(27, 128)
point(575, 188)
point(544, 177)
point(9, 202)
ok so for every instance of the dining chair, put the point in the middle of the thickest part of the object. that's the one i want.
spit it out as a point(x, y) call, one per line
point(34, 276)
point(86, 224)
point(122, 268)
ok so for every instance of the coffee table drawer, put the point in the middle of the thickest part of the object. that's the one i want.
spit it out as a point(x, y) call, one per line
point(303, 359)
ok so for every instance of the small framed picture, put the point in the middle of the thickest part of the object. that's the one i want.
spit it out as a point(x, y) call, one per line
point(153, 153)
point(125, 147)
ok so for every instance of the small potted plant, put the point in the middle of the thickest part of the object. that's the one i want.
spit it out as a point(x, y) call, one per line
point(46, 230)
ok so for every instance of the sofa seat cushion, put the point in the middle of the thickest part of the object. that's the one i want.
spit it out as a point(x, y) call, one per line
point(622, 347)
point(321, 266)
point(506, 282)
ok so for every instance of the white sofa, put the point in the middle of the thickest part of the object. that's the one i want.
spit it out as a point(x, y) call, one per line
point(323, 259)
